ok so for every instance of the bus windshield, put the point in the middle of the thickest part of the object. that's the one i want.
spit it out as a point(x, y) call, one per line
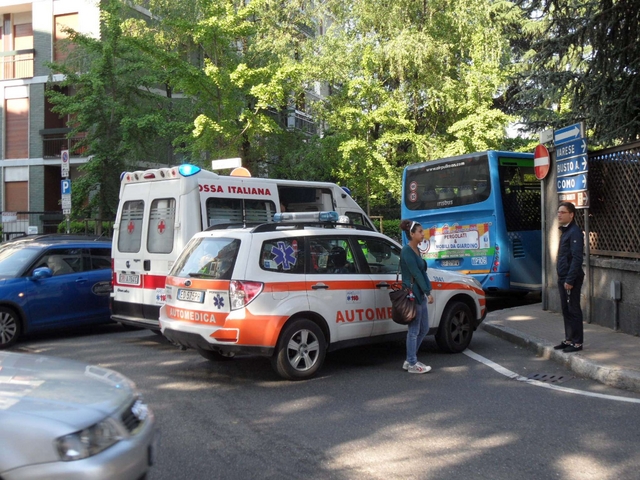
point(447, 184)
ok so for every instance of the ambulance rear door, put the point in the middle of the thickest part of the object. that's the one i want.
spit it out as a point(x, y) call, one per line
point(155, 220)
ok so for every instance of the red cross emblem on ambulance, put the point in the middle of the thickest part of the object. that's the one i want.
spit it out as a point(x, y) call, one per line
point(131, 227)
point(161, 226)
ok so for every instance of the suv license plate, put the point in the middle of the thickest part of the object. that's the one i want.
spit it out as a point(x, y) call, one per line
point(450, 263)
point(129, 279)
point(191, 295)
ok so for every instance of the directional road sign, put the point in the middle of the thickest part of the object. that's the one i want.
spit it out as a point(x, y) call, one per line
point(575, 183)
point(572, 166)
point(579, 199)
point(567, 134)
point(571, 149)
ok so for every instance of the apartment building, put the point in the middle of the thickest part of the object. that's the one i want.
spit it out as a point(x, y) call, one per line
point(32, 136)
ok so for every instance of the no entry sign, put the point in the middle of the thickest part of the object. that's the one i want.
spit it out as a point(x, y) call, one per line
point(541, 162)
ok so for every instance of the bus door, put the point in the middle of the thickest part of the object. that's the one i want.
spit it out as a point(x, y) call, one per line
point(521, 203)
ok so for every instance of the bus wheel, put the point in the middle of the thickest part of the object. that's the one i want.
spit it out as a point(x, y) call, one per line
point(455, 330)
point(301, 350)
point(216, 356)
point(10, 327)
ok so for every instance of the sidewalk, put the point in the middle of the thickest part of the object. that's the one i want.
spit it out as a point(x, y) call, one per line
point(609, 357)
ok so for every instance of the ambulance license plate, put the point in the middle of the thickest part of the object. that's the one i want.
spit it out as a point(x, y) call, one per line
point(450, 263)
point(191, 295)
point(129, 279)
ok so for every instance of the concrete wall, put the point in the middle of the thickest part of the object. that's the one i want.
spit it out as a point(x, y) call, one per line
point(597, 305)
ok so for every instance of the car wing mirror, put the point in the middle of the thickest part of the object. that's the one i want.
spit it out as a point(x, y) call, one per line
point(41, 272)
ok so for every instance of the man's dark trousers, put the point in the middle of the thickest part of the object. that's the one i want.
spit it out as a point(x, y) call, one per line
point(571, 311)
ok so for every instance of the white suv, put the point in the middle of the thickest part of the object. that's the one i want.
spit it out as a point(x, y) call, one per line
point(294, 290)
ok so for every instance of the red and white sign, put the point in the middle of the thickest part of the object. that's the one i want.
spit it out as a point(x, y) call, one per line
point(541, 162)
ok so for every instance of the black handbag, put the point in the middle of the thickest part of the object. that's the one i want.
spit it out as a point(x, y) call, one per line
point(403, 303)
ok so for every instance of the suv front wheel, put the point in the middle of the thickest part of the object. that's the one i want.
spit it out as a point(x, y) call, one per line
point(301, 350)
point(455, 330)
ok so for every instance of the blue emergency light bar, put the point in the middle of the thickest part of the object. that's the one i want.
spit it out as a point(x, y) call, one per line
point(306, 217)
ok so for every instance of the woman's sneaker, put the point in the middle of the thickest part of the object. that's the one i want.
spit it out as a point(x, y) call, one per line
point(418, 368)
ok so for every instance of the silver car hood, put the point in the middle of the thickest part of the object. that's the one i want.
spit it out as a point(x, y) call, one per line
point(61, 391)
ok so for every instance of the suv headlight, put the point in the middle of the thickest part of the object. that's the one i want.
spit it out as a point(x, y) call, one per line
point(89, 441)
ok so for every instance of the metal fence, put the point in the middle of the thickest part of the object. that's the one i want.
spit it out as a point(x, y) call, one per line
point(17, 224)
point(614, 196)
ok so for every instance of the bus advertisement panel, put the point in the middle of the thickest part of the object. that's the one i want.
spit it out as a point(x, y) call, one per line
point(481, 216)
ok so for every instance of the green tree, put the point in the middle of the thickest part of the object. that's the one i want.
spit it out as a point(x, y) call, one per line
point(411, 81)
point(235, 61)
point(113, 106)
point(580, 62)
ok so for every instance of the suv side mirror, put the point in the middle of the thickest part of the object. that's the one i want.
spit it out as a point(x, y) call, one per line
point(41, 272)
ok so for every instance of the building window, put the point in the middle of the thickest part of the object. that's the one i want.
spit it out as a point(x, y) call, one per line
point(17, 128)
point(61, 47)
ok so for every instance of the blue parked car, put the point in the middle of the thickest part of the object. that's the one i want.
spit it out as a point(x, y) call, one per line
point(52, 281)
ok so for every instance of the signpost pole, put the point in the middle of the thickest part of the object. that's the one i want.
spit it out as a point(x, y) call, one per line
point(545, 233)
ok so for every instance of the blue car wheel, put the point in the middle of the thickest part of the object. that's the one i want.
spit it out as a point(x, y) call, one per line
point(9, 327)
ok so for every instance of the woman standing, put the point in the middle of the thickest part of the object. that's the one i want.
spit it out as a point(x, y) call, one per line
point(414, 271)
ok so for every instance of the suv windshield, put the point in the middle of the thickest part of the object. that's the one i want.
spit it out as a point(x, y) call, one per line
point(207, 258)
point(14, 258)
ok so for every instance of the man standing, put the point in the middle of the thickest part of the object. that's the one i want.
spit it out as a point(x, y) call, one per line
point(570, 277)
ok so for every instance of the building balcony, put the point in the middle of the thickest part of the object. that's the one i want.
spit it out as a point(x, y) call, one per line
point(54, 140)
point(17, 64)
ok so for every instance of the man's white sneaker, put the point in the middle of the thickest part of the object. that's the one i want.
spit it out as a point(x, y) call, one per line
point(418, 368)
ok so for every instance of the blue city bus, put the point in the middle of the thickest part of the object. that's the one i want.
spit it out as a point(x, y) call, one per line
point(481, 216)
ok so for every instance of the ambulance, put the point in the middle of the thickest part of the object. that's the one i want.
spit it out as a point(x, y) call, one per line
point(161, 209)
point(301, 286)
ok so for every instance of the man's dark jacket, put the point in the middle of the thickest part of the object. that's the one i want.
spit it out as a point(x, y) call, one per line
point(570, 254)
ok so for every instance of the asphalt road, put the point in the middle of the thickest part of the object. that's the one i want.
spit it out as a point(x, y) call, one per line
point(363, 417)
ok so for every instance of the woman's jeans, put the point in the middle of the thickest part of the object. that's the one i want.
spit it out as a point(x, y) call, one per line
point(418, 329)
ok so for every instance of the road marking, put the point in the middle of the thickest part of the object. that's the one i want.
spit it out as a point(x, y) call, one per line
point(508, 373)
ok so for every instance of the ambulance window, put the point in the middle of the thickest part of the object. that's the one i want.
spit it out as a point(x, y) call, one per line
point(331, 255)
point(381, 256)
point(130, 231)
point(162, 217)
point(224, 210)
point(259, 211)
point(284, 255)
point(356, 218)
point(207, 258)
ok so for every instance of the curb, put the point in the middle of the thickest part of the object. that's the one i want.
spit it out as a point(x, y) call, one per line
point(614, 377)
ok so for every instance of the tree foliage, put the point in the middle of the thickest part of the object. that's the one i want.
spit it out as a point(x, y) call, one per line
point(411, 81)
point(114, 108)
point(580, 62)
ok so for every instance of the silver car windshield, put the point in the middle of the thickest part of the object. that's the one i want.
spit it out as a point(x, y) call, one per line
point(15, 258)
point(207, 258)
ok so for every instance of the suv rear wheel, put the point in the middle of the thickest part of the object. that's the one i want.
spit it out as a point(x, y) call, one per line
point(301, 350)
point(10, 327)
point(455, 330)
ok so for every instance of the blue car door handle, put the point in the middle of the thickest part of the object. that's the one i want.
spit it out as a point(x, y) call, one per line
point(81, 280)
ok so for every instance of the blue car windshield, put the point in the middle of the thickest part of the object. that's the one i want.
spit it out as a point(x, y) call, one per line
point(15, 258)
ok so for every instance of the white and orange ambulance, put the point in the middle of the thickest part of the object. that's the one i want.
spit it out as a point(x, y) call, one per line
point(294, 290)
point(161, 209)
